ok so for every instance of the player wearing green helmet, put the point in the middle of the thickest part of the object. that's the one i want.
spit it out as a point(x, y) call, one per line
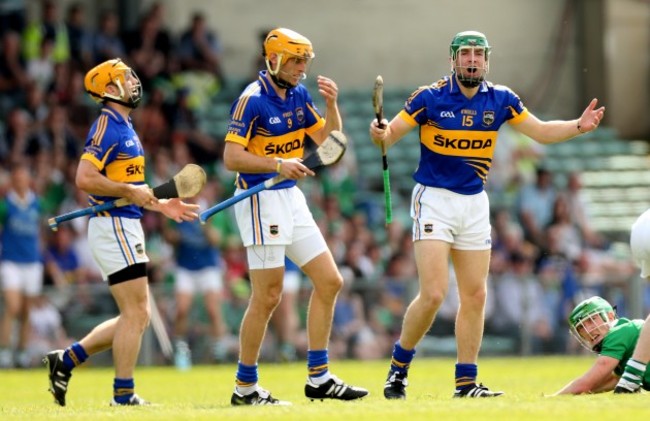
point(458, 119)
point(594, 323)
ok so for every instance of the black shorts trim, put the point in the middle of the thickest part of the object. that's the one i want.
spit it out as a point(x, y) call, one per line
point(128, 273)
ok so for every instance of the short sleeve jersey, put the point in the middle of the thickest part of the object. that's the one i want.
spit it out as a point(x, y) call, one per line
point(458, 135)
point(115, 149)
point(194, 251)
point(619, 343)
point(19, 222)
point(267, 125)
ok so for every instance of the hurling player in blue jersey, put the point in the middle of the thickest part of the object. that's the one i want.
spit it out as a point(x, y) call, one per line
point(458, 118)
point(112, 166)
point(21, 266)
point(266, 135)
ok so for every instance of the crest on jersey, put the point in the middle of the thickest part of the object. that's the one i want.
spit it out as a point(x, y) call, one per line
point(428, 228)
point(139, 249)
point(488, 118)
point(300, 115)
point(274, 230)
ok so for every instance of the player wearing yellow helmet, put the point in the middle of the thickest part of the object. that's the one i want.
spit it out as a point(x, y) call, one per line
point(112, 167)
point(266, 136)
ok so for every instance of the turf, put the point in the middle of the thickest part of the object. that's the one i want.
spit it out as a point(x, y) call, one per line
point(204, 393)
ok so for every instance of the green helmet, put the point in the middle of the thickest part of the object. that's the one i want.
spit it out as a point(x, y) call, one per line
point(470, 75)
point(468, 39)
point(590, 320)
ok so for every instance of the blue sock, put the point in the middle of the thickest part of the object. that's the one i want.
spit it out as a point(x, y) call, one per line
point(466, 375)
point(74, 355)
point(402, 358)
point(317, 363)
point(123, 390)
point(246, 375)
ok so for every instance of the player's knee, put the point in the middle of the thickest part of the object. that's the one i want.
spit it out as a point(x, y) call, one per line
point(475, 298)
point(432, 299)
point(268, 301)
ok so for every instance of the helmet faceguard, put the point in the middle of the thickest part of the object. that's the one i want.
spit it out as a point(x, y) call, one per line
point(590, 321)
point(469, 56)
point(114, 72)
point(286, 44)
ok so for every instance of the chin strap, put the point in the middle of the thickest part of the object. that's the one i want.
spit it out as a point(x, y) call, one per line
point(281, 83)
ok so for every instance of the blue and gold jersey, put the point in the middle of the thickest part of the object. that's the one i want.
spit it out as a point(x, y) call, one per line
point(458, 135)
point(115, 149)
point(266, 125)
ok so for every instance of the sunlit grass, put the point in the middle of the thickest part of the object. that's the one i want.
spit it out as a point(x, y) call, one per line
point(204, 393)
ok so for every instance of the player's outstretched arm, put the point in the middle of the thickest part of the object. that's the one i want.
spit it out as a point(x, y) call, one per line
point(595, 380)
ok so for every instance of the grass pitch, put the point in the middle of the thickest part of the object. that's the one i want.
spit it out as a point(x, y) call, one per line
point(203, 393)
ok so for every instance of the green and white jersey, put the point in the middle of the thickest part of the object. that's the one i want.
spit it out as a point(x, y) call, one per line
point(619, 343)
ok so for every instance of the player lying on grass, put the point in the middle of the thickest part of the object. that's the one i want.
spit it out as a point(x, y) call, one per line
point(596, 326)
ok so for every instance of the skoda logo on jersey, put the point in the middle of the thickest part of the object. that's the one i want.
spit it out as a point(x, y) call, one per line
point(275, 120)
point(447, 114)
point(300, 115)
point(488, 118)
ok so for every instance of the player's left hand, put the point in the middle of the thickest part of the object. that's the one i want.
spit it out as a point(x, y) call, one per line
point(178, 210)
point(328, 89)
point(591, 117)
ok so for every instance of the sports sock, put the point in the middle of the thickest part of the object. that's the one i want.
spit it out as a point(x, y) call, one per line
point(318, 366)
point(633, 375)
point(401, 360)
point(74, 355)
point(246, 378)
point(123, 390)
point(466, 375)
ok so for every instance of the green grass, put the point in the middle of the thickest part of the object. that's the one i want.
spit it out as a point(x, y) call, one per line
point(204, 393)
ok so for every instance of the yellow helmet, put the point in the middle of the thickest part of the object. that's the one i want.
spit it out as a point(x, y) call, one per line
point(114, 72)
point(286, 44)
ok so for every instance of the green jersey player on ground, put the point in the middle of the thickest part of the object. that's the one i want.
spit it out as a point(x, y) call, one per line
point(596, 326)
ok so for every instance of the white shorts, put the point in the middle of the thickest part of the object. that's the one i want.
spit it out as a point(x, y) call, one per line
point(640, 243)
point(24, 277)
point(459, 219)
point(273, 222)
point(116, 243)
point(208, 279)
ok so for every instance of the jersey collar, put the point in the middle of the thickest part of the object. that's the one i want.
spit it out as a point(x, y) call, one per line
point(113, 114)
point(265, 81)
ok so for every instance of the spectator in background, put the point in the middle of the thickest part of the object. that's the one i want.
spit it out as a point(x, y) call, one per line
point(147, 49)
point(523, 312)
point(579, 212)
point(13, 73)
point(79, 37)
point(40, 68)
point(20, 145)
point(51, 28)
point(199, 48)
point(21, 269)
point(535, 206)
point(107, 43)
point(203, 148)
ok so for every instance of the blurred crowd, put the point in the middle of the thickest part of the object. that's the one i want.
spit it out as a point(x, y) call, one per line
point(545, 255)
